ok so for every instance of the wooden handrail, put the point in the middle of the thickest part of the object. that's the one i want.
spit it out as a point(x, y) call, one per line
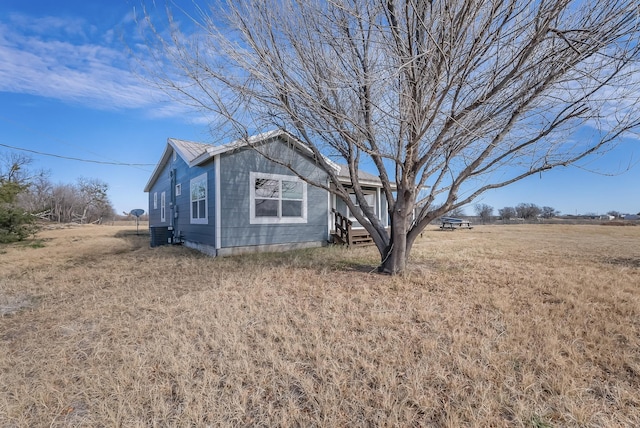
point(343, 227)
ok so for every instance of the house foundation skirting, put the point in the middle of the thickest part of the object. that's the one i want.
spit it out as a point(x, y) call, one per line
point(232, 251)
point(209, 250)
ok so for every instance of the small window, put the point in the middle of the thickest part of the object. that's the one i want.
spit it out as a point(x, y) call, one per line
point(198, 190)
point(178, 189)
point(277, 199)
point(163, 211)
point(155, 200)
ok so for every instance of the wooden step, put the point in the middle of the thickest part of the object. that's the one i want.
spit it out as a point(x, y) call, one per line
point(358, 239)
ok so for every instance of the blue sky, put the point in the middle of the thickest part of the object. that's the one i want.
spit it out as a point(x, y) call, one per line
point(66, 89)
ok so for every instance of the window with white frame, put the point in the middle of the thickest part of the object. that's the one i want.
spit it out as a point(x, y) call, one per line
point(178, 189)
point(155, 200)
point(369, 197)
point(163, 212)
point(277, 199)
point(198, 191)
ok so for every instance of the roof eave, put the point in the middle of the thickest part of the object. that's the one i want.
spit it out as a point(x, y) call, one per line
point(347, 180)
point(156, 172)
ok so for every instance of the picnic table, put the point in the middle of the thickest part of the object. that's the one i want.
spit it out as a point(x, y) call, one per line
point(451, 223)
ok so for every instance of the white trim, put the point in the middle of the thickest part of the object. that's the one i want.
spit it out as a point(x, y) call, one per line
point(355, 202)
point(178, 189)
point(279, 219)
point(205, 219)
point(379, 203)
point(216, 186)
point(329, 213)
point(163, 207)
point(155, 200)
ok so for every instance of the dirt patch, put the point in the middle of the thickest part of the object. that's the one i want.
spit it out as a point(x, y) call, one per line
point(11, 304)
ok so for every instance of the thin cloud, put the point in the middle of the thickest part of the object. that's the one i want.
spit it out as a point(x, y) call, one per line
point(54, 57)
point(50, 26)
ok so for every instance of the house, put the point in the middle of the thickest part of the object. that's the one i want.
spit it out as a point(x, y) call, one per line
point(231, 199)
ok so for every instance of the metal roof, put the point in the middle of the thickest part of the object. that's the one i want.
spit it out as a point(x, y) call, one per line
point(188, 150)
point(363, 176)
point(194, 153)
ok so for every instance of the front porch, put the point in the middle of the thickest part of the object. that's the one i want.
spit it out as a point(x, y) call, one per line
point(346, 234)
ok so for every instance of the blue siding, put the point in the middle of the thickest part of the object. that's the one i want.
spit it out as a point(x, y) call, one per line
point(178, 206)
point(200, 233)
point(236, 229)
point(163, 184)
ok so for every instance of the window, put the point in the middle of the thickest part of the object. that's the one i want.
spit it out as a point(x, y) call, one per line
point(198, 187)
point(178, 189)
point(371, 201)
point(155, 200)
point(277, 199)
point(163, 216)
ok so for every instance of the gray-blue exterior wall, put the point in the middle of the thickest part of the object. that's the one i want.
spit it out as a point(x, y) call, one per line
point(236, 228)
point(162, 184)
point(201, 233)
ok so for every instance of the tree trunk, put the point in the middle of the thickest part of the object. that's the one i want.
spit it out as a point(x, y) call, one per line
point(394, 261)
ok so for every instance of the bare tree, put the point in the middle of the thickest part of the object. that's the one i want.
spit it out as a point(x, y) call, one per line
point(507, 213)
point(37, 198)
point(94, 200)
point(460, 96)
point(484, 211)
point(456, 212)
point(13, 168)
point(528, 211)
point(549, 212)
point(83, 202)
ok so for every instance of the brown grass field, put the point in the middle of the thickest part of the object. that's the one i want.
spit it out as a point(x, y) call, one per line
point(527, 325)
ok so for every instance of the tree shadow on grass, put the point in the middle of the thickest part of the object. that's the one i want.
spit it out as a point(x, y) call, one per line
point(138, 239)
point(629, 262)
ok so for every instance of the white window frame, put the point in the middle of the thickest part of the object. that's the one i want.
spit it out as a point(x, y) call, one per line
point(366, 193)
point(155, 200)
point(279, 219)
point(163, 207)
point(178, 189)
point(192, 183)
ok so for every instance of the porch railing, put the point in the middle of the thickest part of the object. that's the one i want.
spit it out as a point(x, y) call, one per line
point(342, 228)
point(344, 233)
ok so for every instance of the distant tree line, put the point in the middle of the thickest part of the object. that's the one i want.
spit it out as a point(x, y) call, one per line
point(524, 211)
point(527, 211)
point(26, 196)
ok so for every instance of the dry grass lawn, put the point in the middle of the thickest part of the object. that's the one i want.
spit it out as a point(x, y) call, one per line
point(496, 326)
